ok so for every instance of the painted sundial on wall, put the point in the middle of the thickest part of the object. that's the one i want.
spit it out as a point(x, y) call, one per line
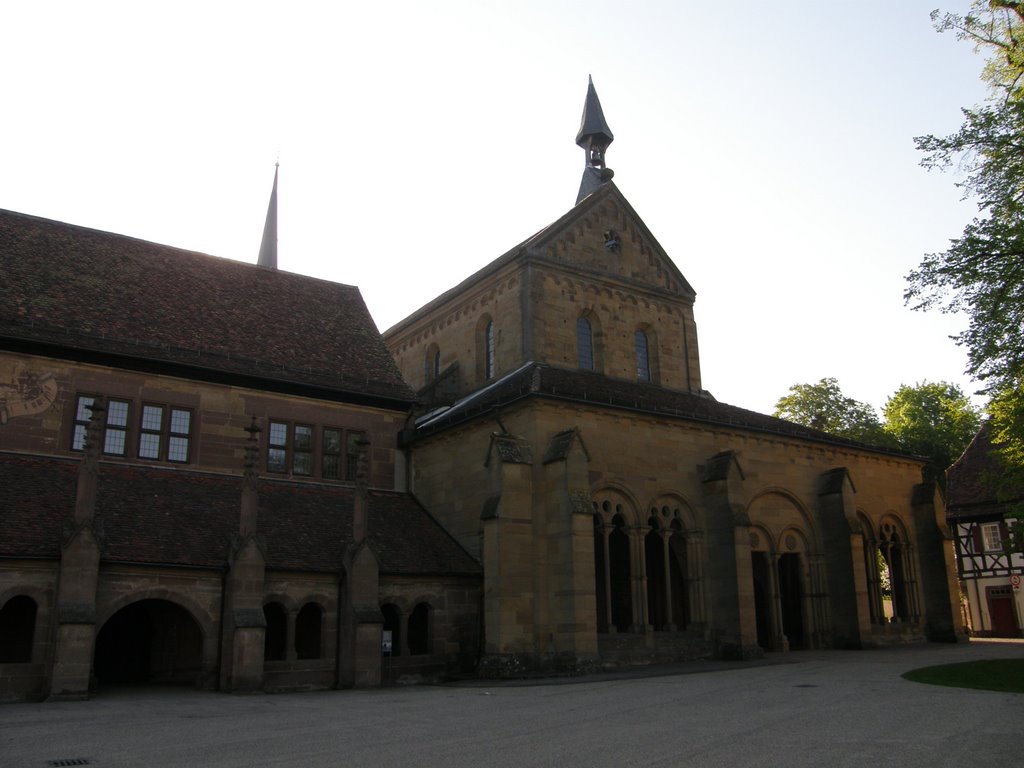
point(26, 393)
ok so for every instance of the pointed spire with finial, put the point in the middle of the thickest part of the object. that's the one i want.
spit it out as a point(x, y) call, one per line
point(594, 137)
point(268, 248)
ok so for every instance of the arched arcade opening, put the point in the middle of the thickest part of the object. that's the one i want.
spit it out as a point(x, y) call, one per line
point(149, 642)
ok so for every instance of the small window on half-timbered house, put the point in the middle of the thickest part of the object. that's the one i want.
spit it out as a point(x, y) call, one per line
point(991, 538)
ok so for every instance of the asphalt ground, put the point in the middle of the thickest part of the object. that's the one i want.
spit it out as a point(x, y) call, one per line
point(828, 708)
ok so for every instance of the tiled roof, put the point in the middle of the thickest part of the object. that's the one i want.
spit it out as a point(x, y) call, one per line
point(173, 517)
point(970, 491)
point(115, 295)
point(600, 391)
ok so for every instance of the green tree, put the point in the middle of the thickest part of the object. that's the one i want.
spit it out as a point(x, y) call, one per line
point(995, 26)
point(824, 406)
point(982, 273)
point(931, 419)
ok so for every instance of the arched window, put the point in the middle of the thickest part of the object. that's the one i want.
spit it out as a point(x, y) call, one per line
point(432, 364)
point(489, 353)
point(680, 604)
point(419, 630)
point(393, 624)
point(657, 583)
point(619, 575)
point(584, 344)
point(17, 630)
point(876, 572)
point(275, 640)
point(308, 631)
point(643, 359)
point(485, 359)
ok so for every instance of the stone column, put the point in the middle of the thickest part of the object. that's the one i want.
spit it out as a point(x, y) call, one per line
point(729, 572)
point(360, 620)
point(79, 575)
point(244, 629)
point(845, 580)
point(570, 621)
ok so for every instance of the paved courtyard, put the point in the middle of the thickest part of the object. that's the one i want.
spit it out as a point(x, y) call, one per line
point(802, 709)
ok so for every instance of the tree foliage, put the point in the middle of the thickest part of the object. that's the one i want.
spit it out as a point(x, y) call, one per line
point(997, 27)
point(824, 406)
point(933, 419)
point(982, 273)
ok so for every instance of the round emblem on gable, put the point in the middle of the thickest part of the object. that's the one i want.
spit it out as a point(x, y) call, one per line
point(791, 542)
point(755, 540)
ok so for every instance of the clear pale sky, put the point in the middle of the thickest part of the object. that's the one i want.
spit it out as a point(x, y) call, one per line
point(767, 145)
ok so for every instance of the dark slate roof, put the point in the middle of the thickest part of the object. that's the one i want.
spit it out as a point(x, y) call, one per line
point(108, 294)
point(172, 517)
point(600, 391)
point(970, 492)
point(593, 123)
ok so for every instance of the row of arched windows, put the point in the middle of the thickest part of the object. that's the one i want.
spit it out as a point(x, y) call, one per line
point(415, 639)
point(589, 351)
point(590, 348)
point(307, 632)
point(659, 562)
point(409, 635)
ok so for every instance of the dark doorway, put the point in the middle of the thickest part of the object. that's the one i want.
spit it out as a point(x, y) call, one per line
point(149, 642)
point(654, 555)
point(618, 554)
point(308, 630)
point(791, 596)
point(419, 630)
point(677, 572)
point(1000, 608)
point(759, 565)
point(17, 630)
point(275, 637)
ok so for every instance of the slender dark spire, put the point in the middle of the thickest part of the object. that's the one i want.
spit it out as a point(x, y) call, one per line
point(268, 248)
point(594, 137)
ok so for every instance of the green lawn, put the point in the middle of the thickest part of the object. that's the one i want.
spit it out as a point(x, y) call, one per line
point(1002, 675)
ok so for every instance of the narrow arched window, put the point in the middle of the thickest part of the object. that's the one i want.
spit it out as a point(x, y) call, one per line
point(275, 637)
point(308, 629)
point(432, 364)
point(419, 630)
point(643, 359)
point(393, 624)
point(584, 344)
point(489, 351)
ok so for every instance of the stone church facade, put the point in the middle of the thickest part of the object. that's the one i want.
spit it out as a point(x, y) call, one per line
point(220, 474)
point(620, 512)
